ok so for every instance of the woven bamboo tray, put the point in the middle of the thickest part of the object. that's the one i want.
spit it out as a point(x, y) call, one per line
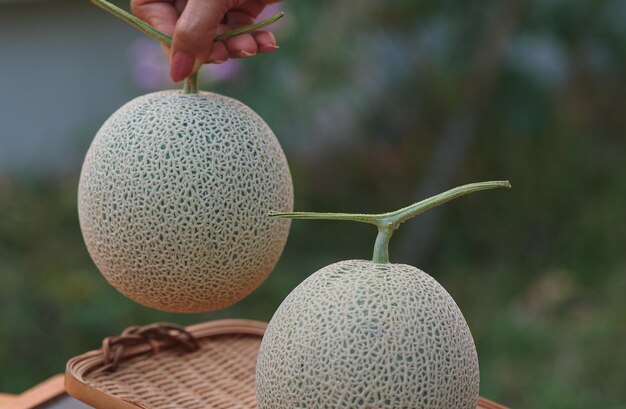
point(157, 371)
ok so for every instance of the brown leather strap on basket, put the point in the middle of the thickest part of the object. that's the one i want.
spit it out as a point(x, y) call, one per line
point(156, 335)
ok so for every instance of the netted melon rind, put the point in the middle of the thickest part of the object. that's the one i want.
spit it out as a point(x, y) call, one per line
point(173, 200)
point(358, 334)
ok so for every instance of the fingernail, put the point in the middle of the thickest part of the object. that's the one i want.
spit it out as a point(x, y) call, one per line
point(244, 53)
point(182, 66)
point(218, 61)
point(273, 46)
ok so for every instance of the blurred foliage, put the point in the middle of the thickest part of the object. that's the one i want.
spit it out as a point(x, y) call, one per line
point(361, 98)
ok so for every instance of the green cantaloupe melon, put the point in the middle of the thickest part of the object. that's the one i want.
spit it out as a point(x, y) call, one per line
point(173, 200)
point(359, 334)
point(370, 334)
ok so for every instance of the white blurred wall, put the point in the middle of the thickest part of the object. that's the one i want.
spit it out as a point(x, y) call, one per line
point(64, 68)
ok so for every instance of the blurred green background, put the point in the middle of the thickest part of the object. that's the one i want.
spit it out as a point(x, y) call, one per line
point(377, 104)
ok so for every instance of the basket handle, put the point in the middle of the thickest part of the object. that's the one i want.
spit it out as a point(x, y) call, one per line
point(156, 335)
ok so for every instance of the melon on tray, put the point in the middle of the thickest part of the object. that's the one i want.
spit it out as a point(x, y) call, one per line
point(370, 334)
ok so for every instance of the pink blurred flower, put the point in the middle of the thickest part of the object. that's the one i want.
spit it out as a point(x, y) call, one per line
point(228, 71)
point(150, 70)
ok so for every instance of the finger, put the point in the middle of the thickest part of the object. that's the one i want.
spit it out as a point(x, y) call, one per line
point(162, 15)
point(179, 5)
point(193, 36)
point(243, 45)
point(237, 18)
point(219, 53)
point(250, 7)
point(265, 41)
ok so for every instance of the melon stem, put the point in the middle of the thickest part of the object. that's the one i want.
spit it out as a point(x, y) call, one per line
point(381, 246)
point(388, 223)
point(191, 86)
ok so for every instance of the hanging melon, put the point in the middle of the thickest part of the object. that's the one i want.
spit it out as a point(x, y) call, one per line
point(370, 334)
point(174, 194)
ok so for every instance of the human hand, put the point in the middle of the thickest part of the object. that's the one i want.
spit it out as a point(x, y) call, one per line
point(194, 23)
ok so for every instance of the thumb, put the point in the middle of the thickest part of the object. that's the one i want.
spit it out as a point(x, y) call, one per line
point(193, 35)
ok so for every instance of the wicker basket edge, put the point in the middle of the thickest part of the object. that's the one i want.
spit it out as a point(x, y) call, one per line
point(77, 367)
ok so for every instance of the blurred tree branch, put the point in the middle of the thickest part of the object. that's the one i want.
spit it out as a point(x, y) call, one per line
point(460, 128)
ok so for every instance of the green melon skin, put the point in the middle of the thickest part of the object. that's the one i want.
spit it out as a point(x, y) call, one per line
point(358, 334)
point(173, 200)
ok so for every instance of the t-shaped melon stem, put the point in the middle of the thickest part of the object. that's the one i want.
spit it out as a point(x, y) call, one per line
point(388, 223)
point(191, 82)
